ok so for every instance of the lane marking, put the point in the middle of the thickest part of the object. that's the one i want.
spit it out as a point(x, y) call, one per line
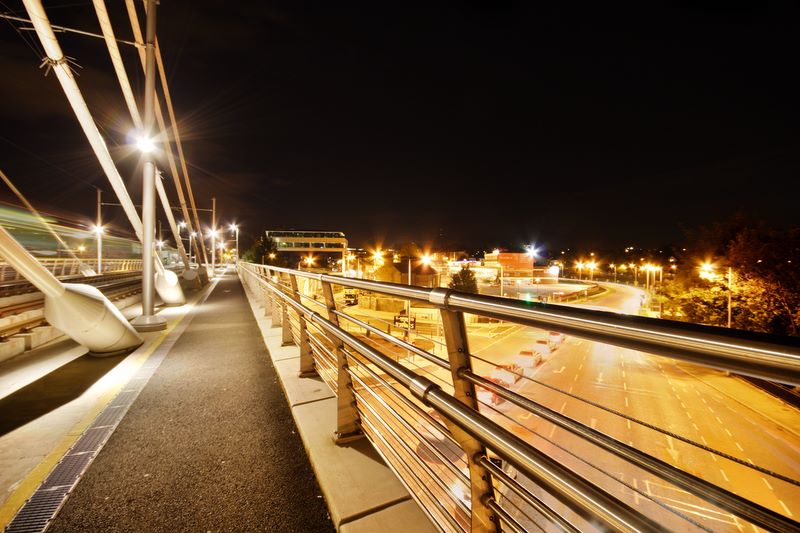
point(788, 512)
point(728, 432)
point(767, 483)
point(593, 423)
point(629, 423)
point(739, 446)
point(724, 475)
point(689, 415)
point(626, 402)
point(553, 430)
point(563, 405)
point(625, 385)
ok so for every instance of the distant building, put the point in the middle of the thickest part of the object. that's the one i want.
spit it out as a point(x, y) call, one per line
point(309, 242)
point(421, 275)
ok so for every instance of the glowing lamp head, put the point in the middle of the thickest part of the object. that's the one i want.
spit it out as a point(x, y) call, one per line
point(182, 224)
point(145, 145)
point(233, 227)
point(160, 244)
point(426, 259)
point(81, 248)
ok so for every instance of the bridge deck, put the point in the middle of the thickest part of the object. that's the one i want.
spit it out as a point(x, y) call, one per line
point(208, 445)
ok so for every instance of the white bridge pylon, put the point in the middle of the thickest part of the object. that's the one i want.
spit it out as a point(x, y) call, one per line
point(80, 311)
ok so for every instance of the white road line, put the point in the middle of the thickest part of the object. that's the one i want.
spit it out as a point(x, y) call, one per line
point(625, 385)
point(704, 400)
point(575, 378)
point(713, 456)
point(678, 396)
point(750, 461)
point(623, 374)
point(570, 388)
point(724, 475)
point(689, 415)
point(593, 423)
point(626, 402)
point(563, 405)
point(718, 419)
point(739, 446)
point(767, 483)
point(695, 426)
point(580, 366)
point(629, 423)
point(525, 416)
point(636, 492)
point(710, 409)
point(785, 508)
point(728, 432)
point(683, 405)
point(704, 440)
point(553, 430)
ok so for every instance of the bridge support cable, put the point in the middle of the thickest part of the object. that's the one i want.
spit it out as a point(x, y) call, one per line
point(80, 311)
point(166, 282)
point(200, 247)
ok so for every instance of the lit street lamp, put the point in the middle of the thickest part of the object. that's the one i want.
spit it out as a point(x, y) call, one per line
point(591, 265)
point(234, 228)
point(707, 272)
point(614, 266)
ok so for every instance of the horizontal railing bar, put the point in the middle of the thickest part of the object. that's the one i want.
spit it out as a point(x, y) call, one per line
point(743, 508)
point(754, 354)
point(442, 510)
point(508, 521)
point(397, 342)
point(583, 497)
point(541, 507)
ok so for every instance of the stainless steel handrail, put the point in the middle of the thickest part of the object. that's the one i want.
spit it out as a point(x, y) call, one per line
point(584, 498)
point(715, 347)
point(753, 354)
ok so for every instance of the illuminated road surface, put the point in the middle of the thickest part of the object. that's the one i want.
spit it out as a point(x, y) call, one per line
point(704, 406)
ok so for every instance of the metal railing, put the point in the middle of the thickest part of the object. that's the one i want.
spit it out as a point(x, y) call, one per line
point(67, 266)
point(436, 421)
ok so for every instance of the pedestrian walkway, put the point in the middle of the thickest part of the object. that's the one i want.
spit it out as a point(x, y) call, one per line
point(209, 444)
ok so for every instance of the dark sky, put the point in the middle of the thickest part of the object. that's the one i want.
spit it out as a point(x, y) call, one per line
point(569, 124)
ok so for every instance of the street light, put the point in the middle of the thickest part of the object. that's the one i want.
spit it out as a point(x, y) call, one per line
point(591, 265)
point(707, 272)
point(614, 266)
point(213, 233)
point(234, 228)
point(192, 235)
point(580, 266)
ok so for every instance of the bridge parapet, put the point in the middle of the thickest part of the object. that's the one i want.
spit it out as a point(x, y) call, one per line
point(448, 432)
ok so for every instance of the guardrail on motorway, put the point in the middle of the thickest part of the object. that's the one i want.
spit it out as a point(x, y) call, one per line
point(67, 266)
point(437, 426)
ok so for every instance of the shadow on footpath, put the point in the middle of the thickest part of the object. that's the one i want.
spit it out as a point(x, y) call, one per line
point(50, 392)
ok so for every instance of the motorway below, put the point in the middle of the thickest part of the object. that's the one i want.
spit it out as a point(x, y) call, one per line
point(713, 425)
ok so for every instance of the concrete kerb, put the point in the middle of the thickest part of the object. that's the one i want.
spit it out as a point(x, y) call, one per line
point(360, 490)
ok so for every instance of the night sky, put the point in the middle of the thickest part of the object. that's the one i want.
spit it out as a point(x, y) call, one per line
point(458, 123)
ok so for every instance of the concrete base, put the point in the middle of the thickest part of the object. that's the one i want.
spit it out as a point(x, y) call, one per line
point(11, 347)
point(362, 493)
point(149, 323)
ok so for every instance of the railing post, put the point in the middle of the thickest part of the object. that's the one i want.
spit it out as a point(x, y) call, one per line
point(348, 424)
point(306, 359)
point(455, 336)
point(286, 324)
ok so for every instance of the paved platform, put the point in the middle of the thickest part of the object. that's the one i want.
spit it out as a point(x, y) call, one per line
point(207, 444)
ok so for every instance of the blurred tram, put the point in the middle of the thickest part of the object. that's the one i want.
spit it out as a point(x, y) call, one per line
point(80, 240)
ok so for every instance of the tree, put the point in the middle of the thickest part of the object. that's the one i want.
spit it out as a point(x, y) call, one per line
point(464, 281)
point(260, 250)
point(765, 288)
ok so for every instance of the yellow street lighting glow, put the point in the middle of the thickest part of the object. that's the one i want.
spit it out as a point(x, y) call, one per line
point(426, 259)
point(81, 248)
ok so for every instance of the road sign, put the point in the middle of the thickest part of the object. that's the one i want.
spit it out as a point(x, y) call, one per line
point(401, 321)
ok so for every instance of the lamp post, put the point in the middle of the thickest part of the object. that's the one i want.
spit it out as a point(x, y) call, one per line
point(98, 229)
point(591, 265)
point(707, 272)
point(192, 236)
point(234, 228)
point(614, 266)
point(148, 321)
point(579, 264)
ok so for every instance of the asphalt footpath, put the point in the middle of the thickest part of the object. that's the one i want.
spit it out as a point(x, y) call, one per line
point(209, 444)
